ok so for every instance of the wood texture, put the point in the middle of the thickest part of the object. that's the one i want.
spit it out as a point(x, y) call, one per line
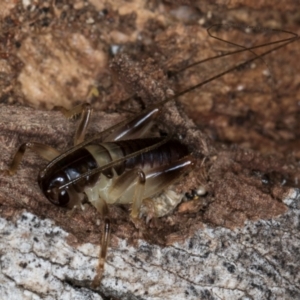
point(241, 240)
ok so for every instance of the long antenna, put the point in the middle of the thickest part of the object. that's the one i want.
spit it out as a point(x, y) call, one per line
point(159, 104)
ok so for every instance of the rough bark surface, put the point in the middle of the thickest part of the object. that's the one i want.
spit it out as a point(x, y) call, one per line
point(238, 241)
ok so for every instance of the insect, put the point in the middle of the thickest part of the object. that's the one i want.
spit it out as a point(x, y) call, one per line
point(126, 167)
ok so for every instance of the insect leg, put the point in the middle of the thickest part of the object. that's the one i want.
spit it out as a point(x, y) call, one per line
point(103, 251)
point(125, 181)
point(136, 185)
point(85, 111)
point(102, 208)
point(135, 128)
point(138, 195)
point(42, 150)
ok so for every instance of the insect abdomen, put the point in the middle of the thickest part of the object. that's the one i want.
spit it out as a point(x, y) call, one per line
point(166, 153)
point(161, 167)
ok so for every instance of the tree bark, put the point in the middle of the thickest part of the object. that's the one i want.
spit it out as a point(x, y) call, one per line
point(239, 241)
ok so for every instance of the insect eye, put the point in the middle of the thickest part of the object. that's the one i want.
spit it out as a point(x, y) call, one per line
point(63, 198)
point(58, 197)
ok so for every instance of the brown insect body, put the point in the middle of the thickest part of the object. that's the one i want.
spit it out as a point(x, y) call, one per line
point(161, 166)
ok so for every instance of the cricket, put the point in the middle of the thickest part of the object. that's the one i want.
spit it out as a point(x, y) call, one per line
point(124, 164)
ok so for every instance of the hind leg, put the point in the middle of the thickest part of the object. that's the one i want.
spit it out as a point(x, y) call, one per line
point(85, 111)
point(136, 185)
point(102, 208)
point(103, 252)
point(42, 150)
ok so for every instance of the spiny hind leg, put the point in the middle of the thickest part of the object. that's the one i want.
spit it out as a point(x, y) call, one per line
point(42, 150)
point(136, 185)
point(132, 184)
point(159, 198)
point(103, 252)
point(85, 110)
point(102, 208)
point(138, 194)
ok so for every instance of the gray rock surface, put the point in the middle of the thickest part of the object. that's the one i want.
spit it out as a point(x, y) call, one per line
point(258, 261)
